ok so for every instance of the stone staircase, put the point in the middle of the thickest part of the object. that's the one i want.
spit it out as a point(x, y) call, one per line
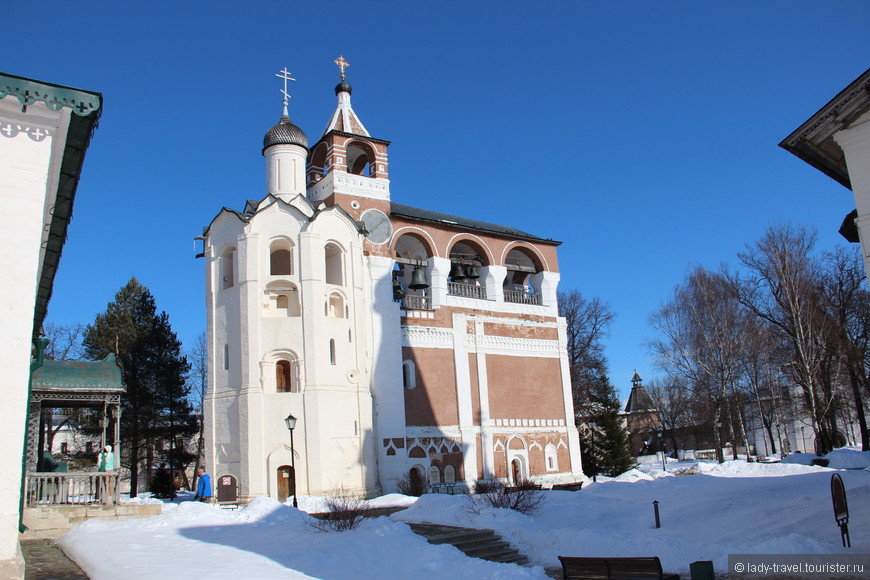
point(483, 544)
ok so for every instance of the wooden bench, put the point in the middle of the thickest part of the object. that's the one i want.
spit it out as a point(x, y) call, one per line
point(514, 489)
point(568, 486)
point(613, 568)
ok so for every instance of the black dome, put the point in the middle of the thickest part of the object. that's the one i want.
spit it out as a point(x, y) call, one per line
point(343, 86)
point(285, 133)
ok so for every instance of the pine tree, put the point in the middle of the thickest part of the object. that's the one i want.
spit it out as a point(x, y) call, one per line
point(155, 406)
point(610, 454)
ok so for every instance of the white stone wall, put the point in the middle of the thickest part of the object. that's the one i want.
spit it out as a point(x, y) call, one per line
point(31, 147)
point(855, 142)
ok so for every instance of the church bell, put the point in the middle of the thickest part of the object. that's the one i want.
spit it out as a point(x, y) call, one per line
point(398, 293)
point(418, 279)
point(457, 272)
point(472, 273)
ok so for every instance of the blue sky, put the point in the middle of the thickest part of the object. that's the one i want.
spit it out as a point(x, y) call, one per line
point(643, 135)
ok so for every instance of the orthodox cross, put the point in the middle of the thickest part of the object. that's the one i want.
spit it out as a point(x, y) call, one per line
point(342, 64)
point(285, 74)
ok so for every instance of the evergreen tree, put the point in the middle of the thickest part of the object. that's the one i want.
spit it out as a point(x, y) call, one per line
point(609, 455)
point(155, 407)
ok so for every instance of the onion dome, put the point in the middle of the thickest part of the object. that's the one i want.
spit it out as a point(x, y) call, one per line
point(285, 133)
point(343, 87)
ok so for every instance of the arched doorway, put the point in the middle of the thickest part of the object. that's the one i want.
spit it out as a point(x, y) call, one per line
point(516, 471)
point(286, 483)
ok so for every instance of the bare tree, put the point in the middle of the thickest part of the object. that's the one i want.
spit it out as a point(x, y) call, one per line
point(588, 322)
point(781, 287)
point(64, 341)
point(701, 329)
point(673, 402)
point(847, 302)
point(198, 383)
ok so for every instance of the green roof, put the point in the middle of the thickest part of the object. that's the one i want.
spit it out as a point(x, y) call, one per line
point(81, 376)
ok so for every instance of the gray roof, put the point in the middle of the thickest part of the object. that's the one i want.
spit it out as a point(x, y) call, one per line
point(465, 223)
point(814, 140)
point(285, 133)
point(639, 400)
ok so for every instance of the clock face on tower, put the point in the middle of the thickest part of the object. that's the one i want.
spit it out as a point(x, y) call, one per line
point(378, 225)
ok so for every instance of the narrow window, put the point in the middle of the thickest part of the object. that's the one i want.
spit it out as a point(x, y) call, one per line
point(227, 270)
point(332, 351)
point(334, 264)
point(284, 376)
point(409, 374)
point(226, 356)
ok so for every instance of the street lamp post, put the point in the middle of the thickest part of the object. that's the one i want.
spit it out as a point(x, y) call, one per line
point(659, 432)
point(290, 421)
point(592, 450)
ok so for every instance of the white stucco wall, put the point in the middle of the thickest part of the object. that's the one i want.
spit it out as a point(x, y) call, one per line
point(855, 142)
point(27, 160)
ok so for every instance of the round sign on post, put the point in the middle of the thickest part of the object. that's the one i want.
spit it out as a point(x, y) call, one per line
point(841, 508)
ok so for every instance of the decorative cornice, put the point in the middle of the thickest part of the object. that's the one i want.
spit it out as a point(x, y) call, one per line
point(55, 97)
point(427, 337)
point(507, 345)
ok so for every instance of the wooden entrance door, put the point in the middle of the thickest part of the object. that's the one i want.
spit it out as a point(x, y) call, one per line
point(286, 483)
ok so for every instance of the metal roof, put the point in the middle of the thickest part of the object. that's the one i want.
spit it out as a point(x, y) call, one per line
point(79, 376)
point(461, 222)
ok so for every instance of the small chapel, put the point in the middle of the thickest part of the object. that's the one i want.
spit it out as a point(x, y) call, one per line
point(403, 342)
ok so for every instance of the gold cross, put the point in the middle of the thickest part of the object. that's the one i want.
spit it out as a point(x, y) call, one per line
point(342, 64)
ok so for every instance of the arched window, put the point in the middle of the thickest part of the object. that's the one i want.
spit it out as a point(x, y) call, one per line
point(335, 306)
point(280, 261)
point(282, 301)
point(551, 458)
point(409, 374)
point(434, 475)
point(227, 273)
point(332, 351)
point(334, 264)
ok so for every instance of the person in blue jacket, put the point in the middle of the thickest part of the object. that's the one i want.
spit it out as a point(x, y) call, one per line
point(203, 488)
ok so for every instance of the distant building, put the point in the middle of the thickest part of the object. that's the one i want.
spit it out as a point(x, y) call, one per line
point(836, 141)
point(45, 130)
point(407, 342)
point(641, 419)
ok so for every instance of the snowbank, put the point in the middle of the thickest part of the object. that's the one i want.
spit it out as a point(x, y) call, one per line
point(735, 507)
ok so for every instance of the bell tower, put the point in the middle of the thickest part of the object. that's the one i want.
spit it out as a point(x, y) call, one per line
point(347, 166)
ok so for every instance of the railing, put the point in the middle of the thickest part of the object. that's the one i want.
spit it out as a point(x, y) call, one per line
point(466, 290)
point(415, 302)
point(72, 488)
point(522, 297)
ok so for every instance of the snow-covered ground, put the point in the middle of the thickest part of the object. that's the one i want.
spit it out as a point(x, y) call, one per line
point(713, 510)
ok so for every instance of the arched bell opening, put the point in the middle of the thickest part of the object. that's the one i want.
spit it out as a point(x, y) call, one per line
point(318, 164)
point(412, 273)
point(522, 282)
point(361, 159)
point(467, 260)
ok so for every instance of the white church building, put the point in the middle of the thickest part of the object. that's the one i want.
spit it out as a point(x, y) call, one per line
point(406, 342)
